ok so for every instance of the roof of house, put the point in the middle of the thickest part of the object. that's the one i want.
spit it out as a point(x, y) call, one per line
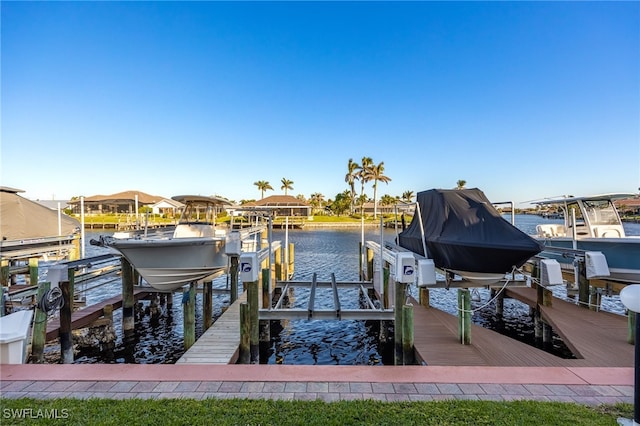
point(277, 201)
point(125, 196)
point(628, 202)
point(168, 202)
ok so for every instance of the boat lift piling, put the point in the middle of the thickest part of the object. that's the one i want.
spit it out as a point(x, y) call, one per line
point(403, 264)
point(39, 335)
point(128, 301)
point(207, 304)
point(233, 278)
point(464, 316)
point(66, 342)
point(189, 314)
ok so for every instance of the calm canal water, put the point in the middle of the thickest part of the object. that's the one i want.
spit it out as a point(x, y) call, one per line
point(322, 251)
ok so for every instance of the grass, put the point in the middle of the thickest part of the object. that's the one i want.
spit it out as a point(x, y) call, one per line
point(243, 412)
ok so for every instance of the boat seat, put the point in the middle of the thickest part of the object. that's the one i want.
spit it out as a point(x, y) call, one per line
point(559, 230)
point(544, 231)
point(607, 232)
point(549, 230)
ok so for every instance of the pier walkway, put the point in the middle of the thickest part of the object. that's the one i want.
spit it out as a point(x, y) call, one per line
point(220, 343)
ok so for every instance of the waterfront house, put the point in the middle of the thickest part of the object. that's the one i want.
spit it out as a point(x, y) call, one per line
point(122, 202)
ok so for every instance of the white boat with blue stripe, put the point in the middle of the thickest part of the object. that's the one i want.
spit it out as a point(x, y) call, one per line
point(591, 224)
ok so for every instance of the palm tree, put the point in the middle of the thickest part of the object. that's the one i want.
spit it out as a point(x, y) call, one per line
point(351, 178)
point(460, 184)
point(377, 175)
point(407, 196)
point(341, 203)
point(263, 185)
point(316, 200)
point(364, 176)
point(388, 200)
point(286, 185)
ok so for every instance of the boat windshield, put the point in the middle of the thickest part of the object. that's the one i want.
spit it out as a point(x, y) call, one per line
point(194, 213)
point(601, 212)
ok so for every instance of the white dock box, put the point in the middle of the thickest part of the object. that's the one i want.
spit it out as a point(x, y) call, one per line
point(14, 336)
point(57, 274)
point(426, 272)
point(405, 267)
point(249, 267)
point(550, 272)
point(596, 264)
point(233, 244)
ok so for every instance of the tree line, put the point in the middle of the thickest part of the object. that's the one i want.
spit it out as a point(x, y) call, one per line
point(365, 172)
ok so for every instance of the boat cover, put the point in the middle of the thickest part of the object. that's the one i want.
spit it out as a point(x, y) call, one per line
point(22, 218)
point(463, 231)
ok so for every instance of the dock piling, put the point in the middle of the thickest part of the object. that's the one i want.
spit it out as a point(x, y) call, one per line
point(128, 320)
point(464, 316)
point(189, 309)
point(233, 272)
point(583, 285)
point(245, 334)
point(66, 343)
point(399, 302)
point(424, 297)
point(207, 305)
point(39, 326)
point(253, 300)
point(499, 303)
point(33, 271)
point(290, 260)
point(4, 273)
point(407, 335)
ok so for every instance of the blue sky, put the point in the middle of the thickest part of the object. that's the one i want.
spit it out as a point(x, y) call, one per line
point(523, 100)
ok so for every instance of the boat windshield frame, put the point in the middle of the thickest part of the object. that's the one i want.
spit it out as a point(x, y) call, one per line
point(194, 213)
point(601, 212)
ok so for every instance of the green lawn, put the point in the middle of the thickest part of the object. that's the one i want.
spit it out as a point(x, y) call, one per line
point(308, 413)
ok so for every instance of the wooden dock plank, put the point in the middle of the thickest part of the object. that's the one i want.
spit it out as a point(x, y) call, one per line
point(436, 342)
point(599, 339)
point(220, 343)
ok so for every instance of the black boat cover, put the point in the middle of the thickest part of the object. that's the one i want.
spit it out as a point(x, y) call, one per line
point(464, 232)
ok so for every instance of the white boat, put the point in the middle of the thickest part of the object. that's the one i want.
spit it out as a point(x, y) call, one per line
point(592, 224)
point(195, 251)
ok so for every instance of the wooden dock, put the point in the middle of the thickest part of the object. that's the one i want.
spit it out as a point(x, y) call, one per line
point(220, 343)
point(84, 317)
point(597, 339)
